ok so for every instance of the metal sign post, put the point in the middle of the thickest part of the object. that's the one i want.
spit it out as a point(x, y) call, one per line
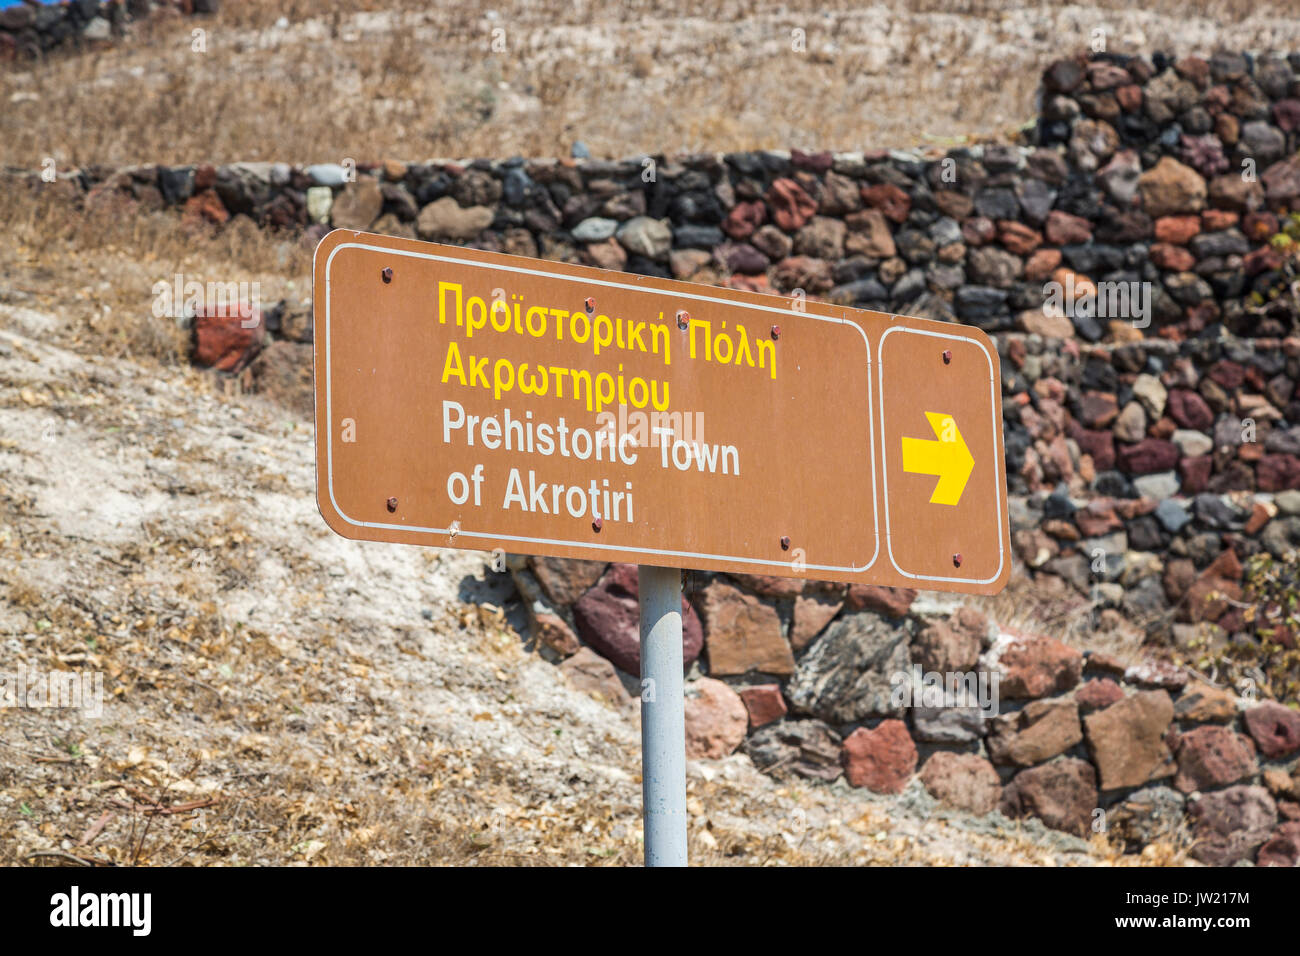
point(663, 717)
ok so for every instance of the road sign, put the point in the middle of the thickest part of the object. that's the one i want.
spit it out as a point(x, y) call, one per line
point(476, 400)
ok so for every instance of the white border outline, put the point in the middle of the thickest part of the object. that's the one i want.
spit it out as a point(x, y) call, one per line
point(329, 427)
point(884, 454)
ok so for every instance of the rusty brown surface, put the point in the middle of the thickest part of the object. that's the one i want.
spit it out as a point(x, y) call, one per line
point(802, 456)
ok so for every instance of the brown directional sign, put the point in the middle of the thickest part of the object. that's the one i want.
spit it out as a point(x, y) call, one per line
point(474, 400)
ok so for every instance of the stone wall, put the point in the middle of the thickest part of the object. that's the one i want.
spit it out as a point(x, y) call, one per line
point(34, 29)
point(827, 682)
point(1152, 449)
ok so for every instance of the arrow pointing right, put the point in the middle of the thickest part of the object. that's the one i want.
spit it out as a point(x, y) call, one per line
point(948, 458)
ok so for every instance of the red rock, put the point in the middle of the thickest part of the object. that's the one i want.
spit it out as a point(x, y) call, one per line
point(1097, 518)
point(205, 206)
point(946, 649)
point(769, 585)
point(592, 674)
point(1064, 229)
point(1127, 740)
point(1231, 824)
point(743, 219)
point(1259, 226)
point(1103, 75)
point(1063, 794)
point(869, 235)
point(1129, 97)
point(565, 580)
point(811, 614)
point(1276, 472)
point(1172, 258)
point(953, 203)
point(716, 719)
point(803, 272)
point(1097, 409)
point(1215, 220)
point(791, 206)
point(1230, 375)
point(1195, 473)
point(972, 622)
point(818, 162)
point(882, 759)
point(757, 284)
point(1034, 666)
point(1282, 848)
point(205, 177)
point(228, 338)
point(609, 254)
point(1210, 756)
point(609, 620)
point(1018, 238)
point(1099, 445)
point(1262, 259)
point(889, 199)
point(764, 703)
point(1208, 597)
point(962, 781)
point(1097, 693)
point(1177, 230)
point(743, 633)
point(1147, 456)
point(1286, 114)
point(893, 602)
point(1274, 728)
point(1282, 181)
point(1162, 428)
point(1041, 264)
point(1189, 410)
point(1038, 732)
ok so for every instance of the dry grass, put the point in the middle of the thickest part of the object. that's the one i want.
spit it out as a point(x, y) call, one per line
point(100, 266)
point(393, 78)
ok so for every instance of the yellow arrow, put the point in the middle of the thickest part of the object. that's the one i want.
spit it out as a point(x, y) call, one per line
point(948, 458)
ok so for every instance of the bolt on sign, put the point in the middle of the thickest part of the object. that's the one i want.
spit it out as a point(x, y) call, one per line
point(474, 400)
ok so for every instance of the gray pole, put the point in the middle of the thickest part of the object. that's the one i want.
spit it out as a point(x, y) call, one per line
point(663, 717)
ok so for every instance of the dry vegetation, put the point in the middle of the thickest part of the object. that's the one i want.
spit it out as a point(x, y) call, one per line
point(407, 80)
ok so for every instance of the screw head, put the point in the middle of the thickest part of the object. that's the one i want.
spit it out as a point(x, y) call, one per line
point(597, 525)
point(947, 356)
point(386, 274)
point(682, 318)
point(776, 332)
point(590, 304)
point(785, 542)
point(956, 560)
point(392, 505)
